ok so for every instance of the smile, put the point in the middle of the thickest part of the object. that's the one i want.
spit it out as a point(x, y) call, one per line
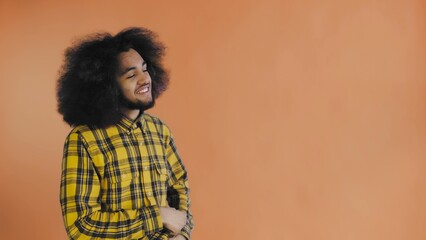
point(143, 89)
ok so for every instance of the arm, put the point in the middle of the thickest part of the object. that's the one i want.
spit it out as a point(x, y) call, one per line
point(81, 207)
point(178, 192)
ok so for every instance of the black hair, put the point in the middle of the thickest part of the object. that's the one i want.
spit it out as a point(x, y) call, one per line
point(87, 88)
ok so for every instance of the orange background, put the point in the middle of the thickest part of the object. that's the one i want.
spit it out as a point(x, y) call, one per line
point(296, 119)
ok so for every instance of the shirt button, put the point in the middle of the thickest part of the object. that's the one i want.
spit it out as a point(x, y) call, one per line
point(124, 175)
point(149, 193)
point(145, 168)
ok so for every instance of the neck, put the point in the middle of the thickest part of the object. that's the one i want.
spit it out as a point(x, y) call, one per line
point(131, 114)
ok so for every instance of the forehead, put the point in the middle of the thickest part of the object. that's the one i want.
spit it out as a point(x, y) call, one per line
point(129, 59)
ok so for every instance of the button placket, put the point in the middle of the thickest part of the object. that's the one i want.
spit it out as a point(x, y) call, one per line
point(146, 177)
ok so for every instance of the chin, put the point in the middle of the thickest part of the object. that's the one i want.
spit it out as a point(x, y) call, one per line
point(147, 105)
point(137, 104)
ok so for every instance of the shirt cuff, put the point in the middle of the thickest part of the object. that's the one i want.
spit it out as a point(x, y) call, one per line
point(185, 234)
point(158, 236)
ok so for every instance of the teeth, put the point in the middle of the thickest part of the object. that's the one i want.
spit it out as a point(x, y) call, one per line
point(143, 90)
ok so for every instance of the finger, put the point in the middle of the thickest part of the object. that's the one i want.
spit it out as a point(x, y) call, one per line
point(173, 228)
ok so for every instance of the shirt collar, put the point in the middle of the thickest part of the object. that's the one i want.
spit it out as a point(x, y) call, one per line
point(128, 125)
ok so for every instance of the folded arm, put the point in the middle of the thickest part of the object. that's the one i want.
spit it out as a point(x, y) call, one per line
point(178, 192)
point(81, 207)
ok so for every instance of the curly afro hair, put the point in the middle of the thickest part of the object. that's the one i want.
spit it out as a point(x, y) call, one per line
point(87, 88)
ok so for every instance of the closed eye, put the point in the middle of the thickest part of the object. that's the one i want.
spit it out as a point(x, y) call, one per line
point(144, 67)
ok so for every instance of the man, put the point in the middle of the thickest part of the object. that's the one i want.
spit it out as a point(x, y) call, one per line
point(122, 177)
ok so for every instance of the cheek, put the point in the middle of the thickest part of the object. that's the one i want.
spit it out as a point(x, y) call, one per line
point(127, 90)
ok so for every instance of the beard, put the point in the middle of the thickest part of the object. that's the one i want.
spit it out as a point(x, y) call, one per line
point(142, 106)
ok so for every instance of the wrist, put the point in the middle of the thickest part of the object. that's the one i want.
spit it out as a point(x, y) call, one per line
point(179, 237)
point(168, 233)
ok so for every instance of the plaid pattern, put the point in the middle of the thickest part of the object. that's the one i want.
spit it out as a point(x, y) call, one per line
point(115, 179)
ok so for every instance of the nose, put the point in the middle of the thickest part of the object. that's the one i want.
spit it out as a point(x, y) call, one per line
point(144, 77)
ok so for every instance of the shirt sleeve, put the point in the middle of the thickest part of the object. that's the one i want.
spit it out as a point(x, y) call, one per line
point(80, 195)
point(178, 192)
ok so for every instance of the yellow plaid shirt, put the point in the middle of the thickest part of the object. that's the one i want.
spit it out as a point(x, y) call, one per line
point(115, 179)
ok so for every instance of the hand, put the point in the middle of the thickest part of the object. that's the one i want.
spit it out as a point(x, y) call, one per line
point(178, 237)
point(173, 219)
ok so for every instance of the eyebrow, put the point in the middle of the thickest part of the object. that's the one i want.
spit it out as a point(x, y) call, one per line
point(131, 68)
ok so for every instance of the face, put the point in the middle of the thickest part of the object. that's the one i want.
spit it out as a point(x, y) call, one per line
point(134, 81)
